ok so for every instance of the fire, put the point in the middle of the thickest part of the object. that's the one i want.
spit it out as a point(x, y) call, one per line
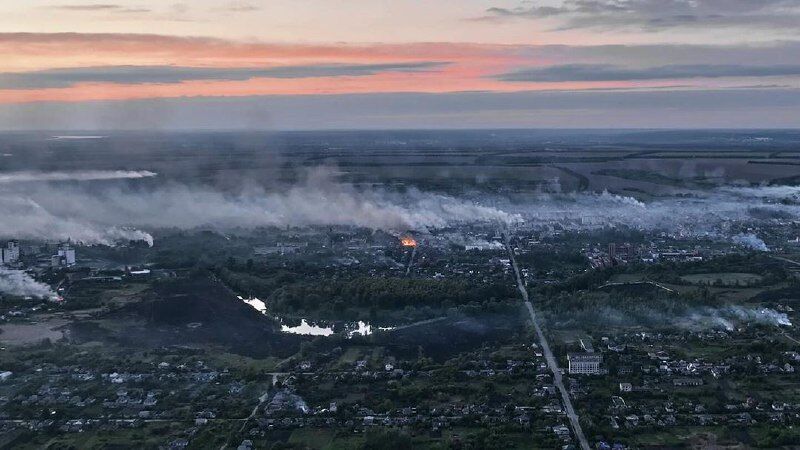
point(408, 242)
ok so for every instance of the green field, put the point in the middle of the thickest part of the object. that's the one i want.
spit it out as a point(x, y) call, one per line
point(723, 278)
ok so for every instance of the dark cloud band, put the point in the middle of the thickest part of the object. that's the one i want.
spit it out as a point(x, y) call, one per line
point(605, 72)
point(659, 14)
point(732, 108)
point(66, 77)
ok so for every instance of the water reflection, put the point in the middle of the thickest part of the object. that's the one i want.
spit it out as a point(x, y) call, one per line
point(259, 305)
point(312, 329)
point(307, 328)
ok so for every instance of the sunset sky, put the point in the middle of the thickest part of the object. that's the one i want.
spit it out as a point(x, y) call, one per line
point(319, 64)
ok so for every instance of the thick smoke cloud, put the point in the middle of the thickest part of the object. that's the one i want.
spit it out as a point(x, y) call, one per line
point(27, 219)
point(751, 241)
point(712, 213)
point(764, 315)
point(472, 243)
point(91, 216)
point(20, 284)
point(730, 316)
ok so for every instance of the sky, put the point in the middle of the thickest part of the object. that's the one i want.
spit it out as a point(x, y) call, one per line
point(350, 64)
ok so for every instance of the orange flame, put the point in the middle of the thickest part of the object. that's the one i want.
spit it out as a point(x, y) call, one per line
point(408, 242)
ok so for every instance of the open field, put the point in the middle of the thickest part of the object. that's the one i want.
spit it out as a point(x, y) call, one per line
point(723, 279)
point(520, 160)
point(31, 333)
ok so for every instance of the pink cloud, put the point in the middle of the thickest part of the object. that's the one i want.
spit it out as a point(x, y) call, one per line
point(467, 67)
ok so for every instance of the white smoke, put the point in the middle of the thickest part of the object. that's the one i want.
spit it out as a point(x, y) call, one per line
point(621, 200)
point(723, 323)
point(92, 216)
point(750, 241)
point(706, 213)
point(472, 242)
point(122, 234)
point(764, 316)
point(20, 284)
point(24, 218)
point(83, 175)
point(729, 316)
point(764, 192)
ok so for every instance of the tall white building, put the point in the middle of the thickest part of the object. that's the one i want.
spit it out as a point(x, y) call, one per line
point(65, 256)
point(9, 253)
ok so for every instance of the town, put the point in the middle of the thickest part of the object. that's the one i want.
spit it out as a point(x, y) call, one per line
point(453, 363)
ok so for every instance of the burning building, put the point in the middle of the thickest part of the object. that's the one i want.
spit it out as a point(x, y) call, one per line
point(408, 241)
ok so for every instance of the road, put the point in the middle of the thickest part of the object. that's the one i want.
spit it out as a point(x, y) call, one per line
point(552, 363)
point(261, 401)
point(411, 260)
point(780, 258)
point(421, 322)
point(786, 335)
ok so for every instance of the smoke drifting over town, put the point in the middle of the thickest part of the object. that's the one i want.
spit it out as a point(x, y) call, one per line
point(751, 241)
point(18, 283)
point(709, 213)
point(727, 317)
point(731, 316)
point(121, 213)
point(117, 213)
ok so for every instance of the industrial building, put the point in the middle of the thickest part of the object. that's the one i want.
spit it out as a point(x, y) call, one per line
point(65, 256)
point(10, 253)
point(584, 363)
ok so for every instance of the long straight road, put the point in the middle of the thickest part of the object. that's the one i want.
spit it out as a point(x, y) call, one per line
point(411, 260)
point(781, 258)
point(552, 363)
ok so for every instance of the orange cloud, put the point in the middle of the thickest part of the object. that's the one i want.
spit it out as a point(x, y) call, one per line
point(467, 67)
point(35, 51)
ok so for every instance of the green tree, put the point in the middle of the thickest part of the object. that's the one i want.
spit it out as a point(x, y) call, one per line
point(387, 440)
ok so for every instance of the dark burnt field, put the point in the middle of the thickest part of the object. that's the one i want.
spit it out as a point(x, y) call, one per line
point(192, 311)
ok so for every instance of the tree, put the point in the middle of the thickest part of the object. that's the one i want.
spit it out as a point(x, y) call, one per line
point(387, 440)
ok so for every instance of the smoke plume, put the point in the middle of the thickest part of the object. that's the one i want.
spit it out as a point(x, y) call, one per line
point(727, 317)
point(84, 175)
point(27, 219)
point(90, 216)
point(712, 213)
point(20, 284)
point(751, 241)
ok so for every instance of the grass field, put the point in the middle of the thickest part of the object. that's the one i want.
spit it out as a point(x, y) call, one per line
point(312, 438)
point(723, 278)
point(149, 436)
point(351, 355)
